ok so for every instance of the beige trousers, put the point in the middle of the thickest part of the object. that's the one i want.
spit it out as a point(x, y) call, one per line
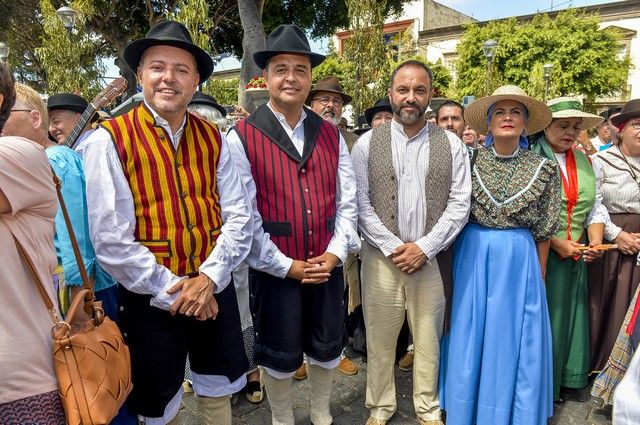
point(386, 290)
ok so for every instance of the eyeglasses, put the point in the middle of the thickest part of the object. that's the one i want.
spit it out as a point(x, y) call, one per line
point(20, 110)
point(324, 100)
point(635, 125)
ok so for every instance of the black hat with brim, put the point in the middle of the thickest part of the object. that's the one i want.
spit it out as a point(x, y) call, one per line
point(287, 38)
point(67, 102)
point(631, 109)
point(169, 33)
point(382, 104)
point(200, 98)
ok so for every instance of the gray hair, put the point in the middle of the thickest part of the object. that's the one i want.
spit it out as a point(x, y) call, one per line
point(208, 113)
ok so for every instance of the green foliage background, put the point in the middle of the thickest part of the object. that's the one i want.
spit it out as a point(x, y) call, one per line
point(584, 57)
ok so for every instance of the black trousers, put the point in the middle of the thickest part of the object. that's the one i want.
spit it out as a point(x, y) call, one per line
point(159, 344)
point(291, 319)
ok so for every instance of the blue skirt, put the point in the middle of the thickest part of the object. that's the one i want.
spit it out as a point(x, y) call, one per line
point(497, 359)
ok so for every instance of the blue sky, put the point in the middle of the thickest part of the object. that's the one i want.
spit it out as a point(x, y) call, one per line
point(484, 10)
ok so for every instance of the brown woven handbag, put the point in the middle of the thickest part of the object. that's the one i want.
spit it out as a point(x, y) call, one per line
point(91, 360)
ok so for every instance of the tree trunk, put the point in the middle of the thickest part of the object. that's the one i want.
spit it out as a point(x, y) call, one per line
point(124, 68)
point(253, 40)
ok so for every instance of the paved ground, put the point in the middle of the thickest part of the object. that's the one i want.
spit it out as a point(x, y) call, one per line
point(347, 405)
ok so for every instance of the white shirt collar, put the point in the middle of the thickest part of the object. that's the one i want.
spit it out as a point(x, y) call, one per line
point(395, 125)
point(282, 118)
point(165, 124)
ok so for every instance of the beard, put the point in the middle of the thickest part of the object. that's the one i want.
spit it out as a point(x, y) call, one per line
point(408, 117)
point(329, 115)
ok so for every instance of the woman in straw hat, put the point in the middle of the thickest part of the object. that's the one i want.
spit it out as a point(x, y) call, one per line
point(566, 266)
point(497, 368)
point(614, 280)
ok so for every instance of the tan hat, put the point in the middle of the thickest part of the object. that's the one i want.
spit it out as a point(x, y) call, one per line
point(571, 107)
point(330, 84)
point(475, 114)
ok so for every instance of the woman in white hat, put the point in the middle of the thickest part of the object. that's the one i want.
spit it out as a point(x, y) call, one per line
point(582, 209)
point(497, 368)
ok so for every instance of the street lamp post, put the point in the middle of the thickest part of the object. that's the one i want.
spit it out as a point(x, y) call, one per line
point(68, 17)
point(489, 48)
point(547, 70)
point(4, 52)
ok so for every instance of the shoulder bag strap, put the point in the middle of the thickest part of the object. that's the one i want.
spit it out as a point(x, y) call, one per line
point(86, 283)
point(43, 293)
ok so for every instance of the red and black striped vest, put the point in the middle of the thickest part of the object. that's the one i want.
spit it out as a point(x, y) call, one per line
point(175, 196)
point(296, 195)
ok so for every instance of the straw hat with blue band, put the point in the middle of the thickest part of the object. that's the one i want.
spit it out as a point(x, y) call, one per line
point(571, 107)
point(539, 114)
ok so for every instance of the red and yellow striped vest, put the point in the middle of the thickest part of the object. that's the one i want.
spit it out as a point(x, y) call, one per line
point(177, 206)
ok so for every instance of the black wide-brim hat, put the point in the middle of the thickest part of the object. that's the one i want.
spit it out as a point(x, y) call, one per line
point(169, 33)
point(382, 104)
point(67, 102)
point(287, 38)
point(631, 109)
point(200, 98)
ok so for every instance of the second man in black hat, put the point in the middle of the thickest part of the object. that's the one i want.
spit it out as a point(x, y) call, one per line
point(303, 187)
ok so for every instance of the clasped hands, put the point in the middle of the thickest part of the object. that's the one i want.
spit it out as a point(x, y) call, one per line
point(566, 248)
point(408, 257)
point(196, 298)
point(628, 243)
point(315, 270)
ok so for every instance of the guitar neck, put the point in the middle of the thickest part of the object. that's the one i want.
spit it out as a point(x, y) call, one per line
point(70, 141)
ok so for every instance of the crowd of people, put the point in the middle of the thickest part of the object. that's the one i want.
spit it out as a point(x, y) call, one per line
point(503, 236)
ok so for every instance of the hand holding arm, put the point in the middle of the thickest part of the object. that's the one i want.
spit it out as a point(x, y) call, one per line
point(321, 268)
point(196, 298)
point(596, 234)
point(408, 257)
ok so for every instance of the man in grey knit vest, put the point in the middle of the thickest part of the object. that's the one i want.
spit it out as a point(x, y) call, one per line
point(414, 193)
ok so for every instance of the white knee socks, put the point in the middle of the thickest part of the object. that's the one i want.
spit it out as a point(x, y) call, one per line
point(279, 396)
point(320, 380)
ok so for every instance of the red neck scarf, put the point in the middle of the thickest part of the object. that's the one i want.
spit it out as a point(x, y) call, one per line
point(570, 186)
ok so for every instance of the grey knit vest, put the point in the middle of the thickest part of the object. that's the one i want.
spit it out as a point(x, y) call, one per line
point(383, 185)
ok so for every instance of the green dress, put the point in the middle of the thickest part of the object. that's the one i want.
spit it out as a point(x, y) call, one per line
point(566, 280)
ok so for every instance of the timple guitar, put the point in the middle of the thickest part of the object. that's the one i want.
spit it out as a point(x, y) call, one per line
point(104, 98)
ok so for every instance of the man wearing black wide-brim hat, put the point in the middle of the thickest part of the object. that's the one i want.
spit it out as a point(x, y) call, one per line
point(170, 221)
point(305, 224)
point(65, 110)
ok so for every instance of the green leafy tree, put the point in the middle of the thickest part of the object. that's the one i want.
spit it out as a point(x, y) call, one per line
point(583, 55)
point(225, 91)
point(21, 29)
point(70, 58)
point(366, 50)
point(339, 66)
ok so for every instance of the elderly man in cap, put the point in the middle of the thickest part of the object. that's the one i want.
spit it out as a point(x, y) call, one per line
point(170, 221)
point(379, 113)
point(65, 110)
point(303, 189)
point(328, 100)
point(207, 108)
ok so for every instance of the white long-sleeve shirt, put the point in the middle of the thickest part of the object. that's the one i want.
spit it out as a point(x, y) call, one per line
point(619, 189)
point(112, 221)
point(411, 163)
point(265, 255)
